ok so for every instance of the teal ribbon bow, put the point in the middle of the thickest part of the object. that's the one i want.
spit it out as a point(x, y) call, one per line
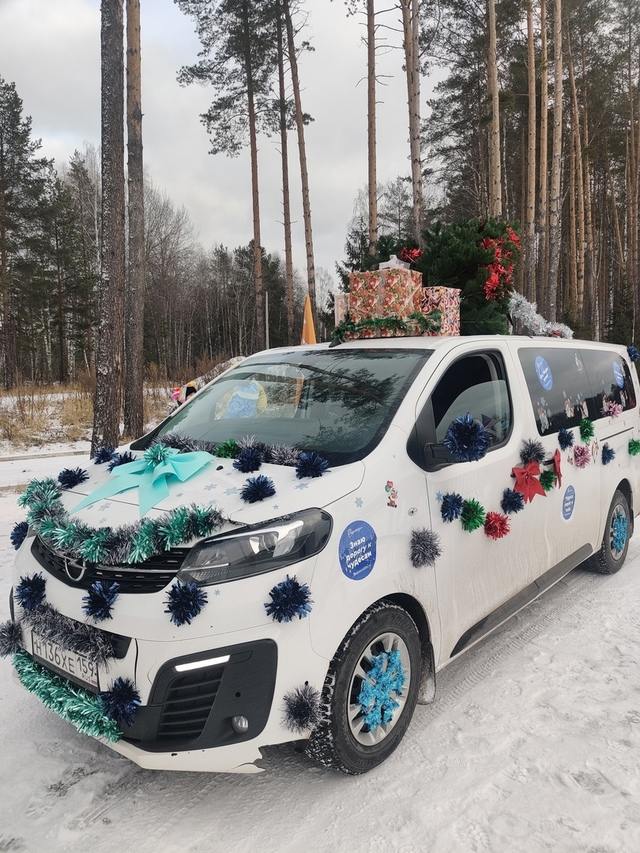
point(151, 474)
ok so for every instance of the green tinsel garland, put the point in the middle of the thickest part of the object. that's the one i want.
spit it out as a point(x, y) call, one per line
point(426, 323)
point(473, 515)
point(634, 447)
point(113, 546)
point(547, 480)
point(227, 449)
point(74, 704)
point(586, 430)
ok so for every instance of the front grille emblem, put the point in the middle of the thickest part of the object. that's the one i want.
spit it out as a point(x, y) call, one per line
point(74, 571)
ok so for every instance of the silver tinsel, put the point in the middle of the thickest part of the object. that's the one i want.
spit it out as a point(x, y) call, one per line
point(280, 455)
point(69, 634)
point(524, 316)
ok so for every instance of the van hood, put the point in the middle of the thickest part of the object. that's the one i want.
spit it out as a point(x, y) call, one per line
point(218, 484)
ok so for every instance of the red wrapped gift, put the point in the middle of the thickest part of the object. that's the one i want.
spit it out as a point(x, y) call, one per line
point(382, 293)
point(446, 300)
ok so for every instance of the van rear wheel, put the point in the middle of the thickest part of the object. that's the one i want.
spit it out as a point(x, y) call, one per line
point(370, 691)
point(615, 543)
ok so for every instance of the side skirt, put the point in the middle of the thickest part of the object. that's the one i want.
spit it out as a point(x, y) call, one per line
point(494, 619)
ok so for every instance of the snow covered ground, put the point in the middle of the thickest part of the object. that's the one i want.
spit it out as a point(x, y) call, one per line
point(532, 745)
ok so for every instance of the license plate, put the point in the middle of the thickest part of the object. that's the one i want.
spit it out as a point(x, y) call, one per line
point(77, 667)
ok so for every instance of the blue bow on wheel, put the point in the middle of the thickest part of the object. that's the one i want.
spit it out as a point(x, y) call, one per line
point(151, 474)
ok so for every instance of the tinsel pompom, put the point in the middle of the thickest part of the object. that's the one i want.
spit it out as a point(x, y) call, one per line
point(310, 464)
point(496, 525)
point(586, 429)
point(121, 459)
point(121, 701)
point(144, 542)
point(473, 515)
point(174, 527)
point(184, 601)
point(608, 454)
point(302, 709)
point(95, 548)
point(565, 438)
point(227, 449)
point(156, 454)
point(46, 490)
point(10, 638)
point(257, 489)
point(71, 477)
point(512, 501)
point(99, 600)
point(19, 533)
point(531, 451)
point(467, 439)
point(185, 444)
point(451, 506)
point(289, 599)
point(612, 409)
point(425, 547)
point(103, 454)
point(581, 456)
point(634, 447)
point(279, 455)
point(547, 480)
point(633, 352)
point(30, 592)
point(249, 459)
point(203, 521)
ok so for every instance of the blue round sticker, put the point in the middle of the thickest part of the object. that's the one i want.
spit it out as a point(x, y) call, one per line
point(618, 374)
point(357, 550)
point(568, 502)
point(545, 376)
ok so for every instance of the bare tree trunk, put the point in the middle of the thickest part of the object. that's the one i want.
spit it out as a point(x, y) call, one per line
point(543, 211)
point(530, 219)
point(304, 175)
point(255, 189)
point(571, 303)
point(555, 229)
point(107, 403)
point(134, 298)
point(411, 32)
point(371, 126)
point(495, 174)
point(579, 179)
point(286, 202)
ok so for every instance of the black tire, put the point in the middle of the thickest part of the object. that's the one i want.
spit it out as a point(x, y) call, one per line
point(333, 744)
point(607, 560)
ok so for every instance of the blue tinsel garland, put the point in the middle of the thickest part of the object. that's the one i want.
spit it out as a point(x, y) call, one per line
point(384, 680)
point(467, 439)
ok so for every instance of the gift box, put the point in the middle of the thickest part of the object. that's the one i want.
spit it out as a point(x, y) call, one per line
point(446, 300)
point(383, 293)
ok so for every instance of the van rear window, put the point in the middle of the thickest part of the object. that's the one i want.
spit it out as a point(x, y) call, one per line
point(566, 384)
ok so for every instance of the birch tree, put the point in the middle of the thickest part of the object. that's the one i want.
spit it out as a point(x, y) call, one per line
point(495, 172)
point(555, 201)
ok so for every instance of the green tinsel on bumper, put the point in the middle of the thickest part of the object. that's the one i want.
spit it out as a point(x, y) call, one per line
point(74, 704)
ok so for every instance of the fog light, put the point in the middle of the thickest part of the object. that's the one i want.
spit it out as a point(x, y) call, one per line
point(240, 725)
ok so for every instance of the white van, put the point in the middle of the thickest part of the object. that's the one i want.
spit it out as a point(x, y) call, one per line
point(328, 599)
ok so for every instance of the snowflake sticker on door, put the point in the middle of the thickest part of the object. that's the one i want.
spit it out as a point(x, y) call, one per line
point(357, 550)
point(543, 371)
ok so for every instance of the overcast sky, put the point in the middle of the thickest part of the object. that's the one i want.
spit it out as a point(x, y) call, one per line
point(51, 49)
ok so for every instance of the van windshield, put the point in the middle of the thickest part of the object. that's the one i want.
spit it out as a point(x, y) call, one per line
point(337, 402)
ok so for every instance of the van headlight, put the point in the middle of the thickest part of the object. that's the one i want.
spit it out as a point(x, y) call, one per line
point(257, 548)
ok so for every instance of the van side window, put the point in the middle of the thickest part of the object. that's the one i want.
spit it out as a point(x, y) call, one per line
point(476, 384)
point(567, 385)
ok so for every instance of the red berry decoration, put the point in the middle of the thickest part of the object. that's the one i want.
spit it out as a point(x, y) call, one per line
point(496, 525)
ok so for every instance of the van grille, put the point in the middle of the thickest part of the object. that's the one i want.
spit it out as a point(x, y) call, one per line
point(188, 704)
point(151, 576)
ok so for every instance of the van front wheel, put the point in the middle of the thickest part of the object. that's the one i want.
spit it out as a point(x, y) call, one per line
point(615, 543)
point(370, 691)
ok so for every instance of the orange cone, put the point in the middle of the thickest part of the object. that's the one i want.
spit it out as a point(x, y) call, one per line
point(308, 329)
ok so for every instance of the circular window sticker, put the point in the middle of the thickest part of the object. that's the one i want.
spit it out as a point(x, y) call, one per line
point(357, 550)
point(618, 374)
point(543, 371)
point(568, 502)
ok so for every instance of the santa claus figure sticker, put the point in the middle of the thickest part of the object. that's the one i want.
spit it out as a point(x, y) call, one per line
point(357, 550)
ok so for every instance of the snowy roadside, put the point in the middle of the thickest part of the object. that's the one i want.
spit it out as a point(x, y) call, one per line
point(531, 745)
